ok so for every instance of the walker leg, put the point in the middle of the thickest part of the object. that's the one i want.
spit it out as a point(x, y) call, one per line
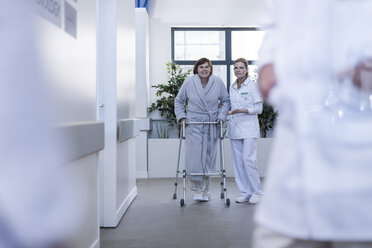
point(222, 194)
point(226, 200)
point(178, 165)
point(184, 189)
point(222, 165)
point(222, 181)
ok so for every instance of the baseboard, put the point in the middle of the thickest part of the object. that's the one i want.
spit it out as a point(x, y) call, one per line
point(126, 203)
point(142, 174)
point(95, 244)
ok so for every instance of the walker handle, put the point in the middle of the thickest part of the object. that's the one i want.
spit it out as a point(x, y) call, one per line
point(183, 129)
point(221, 129)
point(203, 122)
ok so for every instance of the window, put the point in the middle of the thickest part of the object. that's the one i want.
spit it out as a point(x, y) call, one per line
point(221, 45)
point(190, 44)
point(246, 44)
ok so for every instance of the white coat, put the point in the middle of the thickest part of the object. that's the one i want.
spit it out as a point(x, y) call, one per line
point(248, 97)
point(319, 182)
point(243, 131)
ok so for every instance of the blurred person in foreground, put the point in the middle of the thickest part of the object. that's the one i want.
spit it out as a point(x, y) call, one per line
point(315, 66)
point(39, 201)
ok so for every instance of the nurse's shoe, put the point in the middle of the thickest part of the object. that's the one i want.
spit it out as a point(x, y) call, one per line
point(254, 199)
point(242, 199)
point(198, 196)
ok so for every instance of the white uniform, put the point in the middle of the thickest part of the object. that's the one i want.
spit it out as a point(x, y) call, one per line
point(319, 183)
point(243, 131)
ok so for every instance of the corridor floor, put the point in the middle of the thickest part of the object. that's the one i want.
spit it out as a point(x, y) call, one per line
point(154, 219)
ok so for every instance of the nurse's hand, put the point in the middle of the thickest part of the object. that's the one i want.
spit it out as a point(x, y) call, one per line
point(266, 79)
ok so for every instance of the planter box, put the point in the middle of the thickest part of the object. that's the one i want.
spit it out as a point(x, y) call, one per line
point(163, 155)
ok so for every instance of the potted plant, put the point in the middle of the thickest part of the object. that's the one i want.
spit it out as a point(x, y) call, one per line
point(266, 119)
point(168, 92)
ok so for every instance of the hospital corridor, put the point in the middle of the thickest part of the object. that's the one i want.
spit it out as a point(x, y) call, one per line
point(156, 220)
point(185, 123)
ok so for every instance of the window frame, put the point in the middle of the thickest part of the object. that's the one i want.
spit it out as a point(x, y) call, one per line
point(228, 49)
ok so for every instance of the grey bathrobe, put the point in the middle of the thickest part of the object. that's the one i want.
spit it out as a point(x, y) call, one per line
point(202, 105)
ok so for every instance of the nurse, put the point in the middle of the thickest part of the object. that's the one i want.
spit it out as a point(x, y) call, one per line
point(243, 130)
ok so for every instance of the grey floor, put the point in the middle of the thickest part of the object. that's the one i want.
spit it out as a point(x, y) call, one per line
point(154, 219)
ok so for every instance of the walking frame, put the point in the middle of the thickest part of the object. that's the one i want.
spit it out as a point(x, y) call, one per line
point(221, 172)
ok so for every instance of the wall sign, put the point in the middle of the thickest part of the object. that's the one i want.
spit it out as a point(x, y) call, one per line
point(70, 19)
point(49, 9)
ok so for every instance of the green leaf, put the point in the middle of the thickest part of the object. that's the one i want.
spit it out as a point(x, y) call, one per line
point(267, 119)
point(168, 92)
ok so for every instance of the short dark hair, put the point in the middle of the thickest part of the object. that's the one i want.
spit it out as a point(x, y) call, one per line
point(200, 62)
point(244, 61)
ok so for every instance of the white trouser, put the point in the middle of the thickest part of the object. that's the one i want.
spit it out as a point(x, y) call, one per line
point(244, 159)
point(266, 238)
point(200, 187)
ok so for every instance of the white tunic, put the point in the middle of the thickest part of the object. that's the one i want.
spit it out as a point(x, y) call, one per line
point(319, 182)
point(248, 96)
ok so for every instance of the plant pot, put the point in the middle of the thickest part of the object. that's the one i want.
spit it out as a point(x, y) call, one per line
point(163, 155)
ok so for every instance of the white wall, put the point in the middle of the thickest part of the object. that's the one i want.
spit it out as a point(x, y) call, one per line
point(116, 70)
point(126, 85)
point(69, 66)
point(87, 171)
point(126, 95)
point(126, 176)
point(164, 14)
point(142, 62)
point(142, 89)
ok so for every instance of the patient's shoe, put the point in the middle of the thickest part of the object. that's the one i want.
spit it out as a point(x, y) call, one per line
point(242, 199)
point(206, 196)
point(198, 196)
